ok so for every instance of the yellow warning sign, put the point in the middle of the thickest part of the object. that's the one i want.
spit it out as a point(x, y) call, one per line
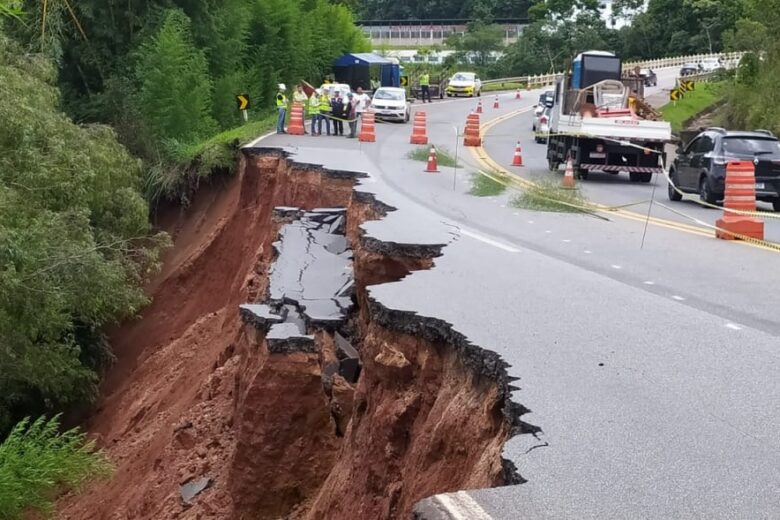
point(243, 101)
point(404, 81)
point(676, 94)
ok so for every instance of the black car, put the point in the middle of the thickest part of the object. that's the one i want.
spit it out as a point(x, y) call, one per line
point(546, 99)
point(701, 166)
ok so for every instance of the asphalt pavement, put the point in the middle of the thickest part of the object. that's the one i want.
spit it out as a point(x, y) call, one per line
point(648, 353)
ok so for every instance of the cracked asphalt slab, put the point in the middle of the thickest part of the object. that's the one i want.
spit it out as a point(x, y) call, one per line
point(651, 369)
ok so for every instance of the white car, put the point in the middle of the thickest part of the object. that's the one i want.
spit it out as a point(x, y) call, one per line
point(542, 126)
point(710, 65)
point(464, 84)
point(391, 103)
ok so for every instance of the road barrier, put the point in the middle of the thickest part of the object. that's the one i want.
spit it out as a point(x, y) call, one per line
point(728, 59)
point(419, 131)
point(296, 120)
point(367, 128)
point(471, 132)
point(433, 166)
point(741, 195)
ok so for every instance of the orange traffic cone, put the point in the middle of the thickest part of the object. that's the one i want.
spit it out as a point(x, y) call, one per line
point(495, 103)
point(296, 120)
point(471, 132)
point(433, 166)
point(517, 94)
point(568, 176)
point(740, 195)
point(517, 160)
point(367, 128)
point(419, 132)
point(479, 106)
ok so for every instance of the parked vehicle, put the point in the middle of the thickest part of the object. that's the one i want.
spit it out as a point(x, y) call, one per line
point(595, 120)
point(391, 103)
point(464, 84)
point(710, 65)
point(649, 77)
point(700, 167)
point(542, 126)
point(437, 88)
point(689, 68)
point(332, 88)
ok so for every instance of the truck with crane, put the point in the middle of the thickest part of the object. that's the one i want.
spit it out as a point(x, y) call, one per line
point(600, 121)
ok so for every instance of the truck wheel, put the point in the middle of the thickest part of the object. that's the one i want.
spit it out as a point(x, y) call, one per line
point(633, 177)
point(645, 177)
point(582, 174)
point(553, 164)
point(671, 192)
point(776, 204)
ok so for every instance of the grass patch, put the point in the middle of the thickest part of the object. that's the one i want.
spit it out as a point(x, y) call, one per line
point(37, 462)
point(548, 195)
point(493, 87)
point(693, 104)
point(482, 186)
point(443, 156)
point(207, 149)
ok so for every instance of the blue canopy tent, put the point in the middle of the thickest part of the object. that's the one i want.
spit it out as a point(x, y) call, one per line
point(358, 69)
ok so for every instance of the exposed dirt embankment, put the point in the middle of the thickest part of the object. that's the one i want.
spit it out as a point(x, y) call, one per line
point(258, 429)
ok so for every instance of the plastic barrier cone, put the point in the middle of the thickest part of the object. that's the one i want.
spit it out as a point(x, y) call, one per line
point(568, 175)
point(419, 132)
point(479, 106)
point(433, 166)
point(741, 195)
point(495, 103)
point(296, 120)
point(517, 94)
point(471, 132)
point(367, 128)
point(517, 160)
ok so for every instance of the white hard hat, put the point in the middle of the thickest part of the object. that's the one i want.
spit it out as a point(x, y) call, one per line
point(318, 91)
point(282, 87)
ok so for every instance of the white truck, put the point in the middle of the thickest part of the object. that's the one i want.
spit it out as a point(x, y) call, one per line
point(598, 120)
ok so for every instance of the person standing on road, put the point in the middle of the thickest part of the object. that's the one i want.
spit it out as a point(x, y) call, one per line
point(314, 110)
point(363, 101)
point(281, 106)
point(337, 112)
point(351, 111)
point(425, 86)
point(324, 112)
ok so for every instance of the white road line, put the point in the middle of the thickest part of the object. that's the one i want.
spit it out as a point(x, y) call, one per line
point(461, 506)
point(254, 143)
point(566, 240)
point(648, 282)
point(530, 221)
point(548, 231)
point(516, 213)
point(588, 252)
point(733, 326)
point(678, 298)
point(489, 241)
point(615, 266)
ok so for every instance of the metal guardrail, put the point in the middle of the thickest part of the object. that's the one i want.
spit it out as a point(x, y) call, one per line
point(728, 59)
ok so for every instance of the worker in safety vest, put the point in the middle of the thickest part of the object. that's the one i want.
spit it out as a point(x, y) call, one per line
point(425, 86)
point(314, 110)
point(324, 112)
point(281, 106)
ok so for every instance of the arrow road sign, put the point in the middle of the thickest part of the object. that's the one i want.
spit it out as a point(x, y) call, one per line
point(243, 101)
point(404, 81)
point(676, 94)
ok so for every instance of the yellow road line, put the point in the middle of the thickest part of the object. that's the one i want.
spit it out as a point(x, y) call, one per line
point(480, 155)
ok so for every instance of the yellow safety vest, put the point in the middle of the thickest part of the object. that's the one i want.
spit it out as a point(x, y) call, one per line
point(281, 100)
point(324, 103)
point(314, 105)
point(425, 80)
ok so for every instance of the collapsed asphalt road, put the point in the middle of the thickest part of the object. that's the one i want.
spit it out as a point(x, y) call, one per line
point(650, 369)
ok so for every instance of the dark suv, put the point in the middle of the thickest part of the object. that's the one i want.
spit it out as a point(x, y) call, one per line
point(701, 166)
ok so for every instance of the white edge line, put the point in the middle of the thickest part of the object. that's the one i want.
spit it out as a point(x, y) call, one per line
point(489, 241)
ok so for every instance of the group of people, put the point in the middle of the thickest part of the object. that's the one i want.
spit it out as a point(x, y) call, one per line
point(333, 111)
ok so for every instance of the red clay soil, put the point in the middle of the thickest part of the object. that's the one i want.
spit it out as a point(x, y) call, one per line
point(196, 394)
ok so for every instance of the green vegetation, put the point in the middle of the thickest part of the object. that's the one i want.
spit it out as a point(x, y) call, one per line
point(495, 87)
point(484, 186)
point(75, 244)
point(36, 462)
point(443, 156)
point(694, 103)
point(549, 195)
